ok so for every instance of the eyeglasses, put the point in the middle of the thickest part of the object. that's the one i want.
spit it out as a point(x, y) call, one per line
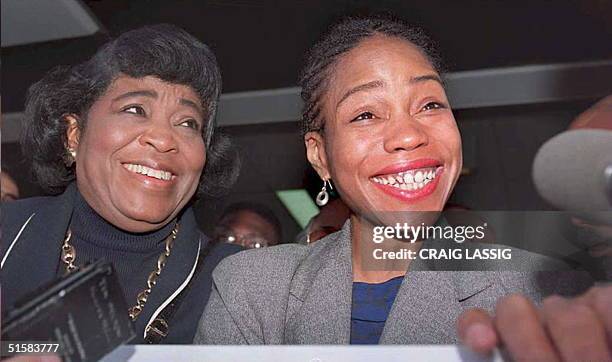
point(251, 241)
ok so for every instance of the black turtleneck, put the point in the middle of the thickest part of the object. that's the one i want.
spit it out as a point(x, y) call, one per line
point(134, 256)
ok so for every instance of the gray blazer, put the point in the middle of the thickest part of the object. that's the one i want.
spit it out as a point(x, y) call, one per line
point(297, 294)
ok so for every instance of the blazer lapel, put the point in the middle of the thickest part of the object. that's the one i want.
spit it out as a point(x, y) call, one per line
point(431, 298)
point(319, 306)
point(35, 259)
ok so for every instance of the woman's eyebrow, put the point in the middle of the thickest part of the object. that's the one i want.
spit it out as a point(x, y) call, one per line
point(138, 93)
point(380, 84)
point(362, 87)
point(153, 94)
point(191, 104)
point(426, 77)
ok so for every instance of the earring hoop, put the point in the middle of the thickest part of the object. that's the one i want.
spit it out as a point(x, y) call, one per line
point(70, 157)
point(323, 196)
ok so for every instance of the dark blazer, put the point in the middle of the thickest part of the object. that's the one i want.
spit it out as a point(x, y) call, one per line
point(296, 294)
point(32, 233)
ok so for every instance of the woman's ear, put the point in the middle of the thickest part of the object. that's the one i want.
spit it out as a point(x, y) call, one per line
point(316, 153)
point(73, 132)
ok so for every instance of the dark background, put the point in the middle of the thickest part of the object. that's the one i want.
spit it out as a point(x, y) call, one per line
point(261, 44)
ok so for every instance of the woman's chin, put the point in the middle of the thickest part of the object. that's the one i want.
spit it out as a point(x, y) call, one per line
point(139, 220)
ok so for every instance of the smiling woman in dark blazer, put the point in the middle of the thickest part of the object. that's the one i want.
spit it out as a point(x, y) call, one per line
point(126, 141)
point(377, 122)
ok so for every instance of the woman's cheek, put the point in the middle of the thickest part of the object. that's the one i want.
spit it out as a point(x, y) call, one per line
point(346, 163)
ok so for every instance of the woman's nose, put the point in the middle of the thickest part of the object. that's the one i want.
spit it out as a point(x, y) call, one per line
point(404, 134)
point(160, 137)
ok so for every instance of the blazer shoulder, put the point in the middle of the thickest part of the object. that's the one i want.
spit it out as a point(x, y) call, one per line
point(15, 213)
point(23, 206)
point(267, 266)
point(273, 265)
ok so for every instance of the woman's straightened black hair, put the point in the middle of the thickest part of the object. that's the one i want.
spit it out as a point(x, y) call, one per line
point(338, 40)
point(164, 51)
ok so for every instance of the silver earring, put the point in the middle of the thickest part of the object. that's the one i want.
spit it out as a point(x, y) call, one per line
point(70, 157)
point(323, 196)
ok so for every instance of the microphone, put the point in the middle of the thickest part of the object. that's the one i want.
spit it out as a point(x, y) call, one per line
point(573, 172)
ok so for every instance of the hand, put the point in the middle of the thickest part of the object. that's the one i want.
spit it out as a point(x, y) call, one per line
point(602, 232)
point(577, 329)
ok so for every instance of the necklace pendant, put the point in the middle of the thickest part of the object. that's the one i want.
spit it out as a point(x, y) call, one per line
point(142, 298)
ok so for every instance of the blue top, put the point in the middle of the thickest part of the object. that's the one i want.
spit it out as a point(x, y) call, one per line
point(371, 306)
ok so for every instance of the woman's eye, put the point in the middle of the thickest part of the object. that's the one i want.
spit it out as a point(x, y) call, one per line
point(363, 116)
point(191, 123)
point(135, 110)
point(433, 105)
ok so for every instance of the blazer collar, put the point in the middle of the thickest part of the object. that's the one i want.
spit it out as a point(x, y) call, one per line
point(33, 261)
point(47, 230)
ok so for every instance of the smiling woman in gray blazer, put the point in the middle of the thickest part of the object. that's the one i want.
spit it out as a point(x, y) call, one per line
point(377, 122)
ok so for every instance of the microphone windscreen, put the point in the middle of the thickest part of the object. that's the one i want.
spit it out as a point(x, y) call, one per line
point(569, 170)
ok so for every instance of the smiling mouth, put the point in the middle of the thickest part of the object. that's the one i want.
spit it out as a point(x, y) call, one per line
point(410, 180)
point(148, 171)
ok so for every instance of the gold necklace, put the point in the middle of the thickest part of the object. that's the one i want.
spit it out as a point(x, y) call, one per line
point(69, 256)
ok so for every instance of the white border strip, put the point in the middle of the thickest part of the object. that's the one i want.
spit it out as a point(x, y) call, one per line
point(8, 251)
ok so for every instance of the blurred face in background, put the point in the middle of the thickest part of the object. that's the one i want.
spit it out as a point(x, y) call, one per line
point(246, 228)
point(330, 219)
point(8, 187)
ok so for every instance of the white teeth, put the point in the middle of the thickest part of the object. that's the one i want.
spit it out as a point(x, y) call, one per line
point(144, 170)
point(407, 180)
point(418, 177)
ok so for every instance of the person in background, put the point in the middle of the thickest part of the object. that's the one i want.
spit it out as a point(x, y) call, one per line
point(377, 121)
point(598, 116)
point(250, 225)
point(330, 219)
point(8, 187)
point(125, 142)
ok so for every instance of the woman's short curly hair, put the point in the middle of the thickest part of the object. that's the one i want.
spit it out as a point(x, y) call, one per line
point(164, 51)
point(340, 39)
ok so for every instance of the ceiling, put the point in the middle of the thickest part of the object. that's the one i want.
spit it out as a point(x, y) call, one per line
point(261, 44)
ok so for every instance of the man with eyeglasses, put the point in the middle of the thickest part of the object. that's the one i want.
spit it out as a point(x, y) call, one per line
point(248, 224)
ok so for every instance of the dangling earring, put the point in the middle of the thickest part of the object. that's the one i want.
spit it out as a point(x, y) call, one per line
point(323, 196)
point(70, 157)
